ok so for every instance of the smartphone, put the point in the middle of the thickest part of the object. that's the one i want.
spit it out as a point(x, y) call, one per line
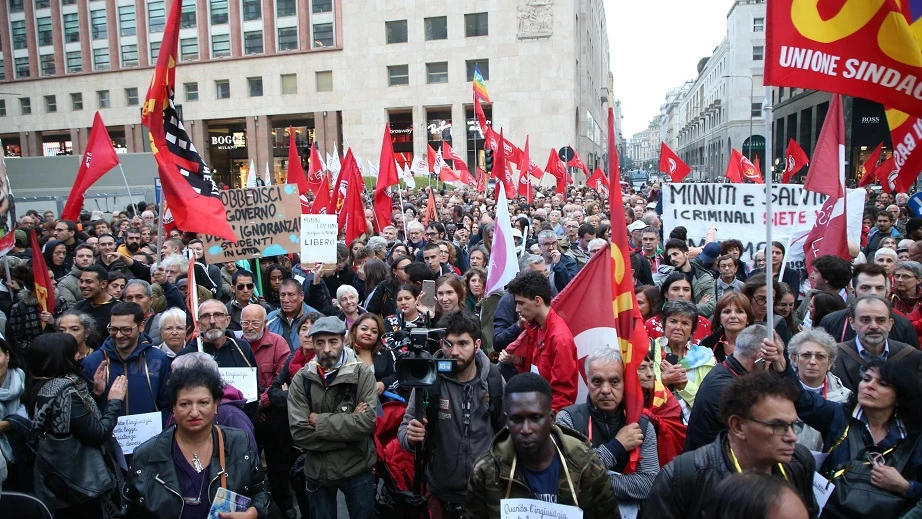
point(672, 358)
point(429, 293)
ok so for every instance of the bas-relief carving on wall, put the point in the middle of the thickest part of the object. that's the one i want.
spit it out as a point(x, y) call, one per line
point(535, 18)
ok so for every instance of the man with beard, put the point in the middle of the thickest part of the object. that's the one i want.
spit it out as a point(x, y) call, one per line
point(227, 350)
point(464, 414)
point(69, 286)
point(132, 242)
point(65, 231)
point(112, 260)
point(97, 303)
point(331, 414)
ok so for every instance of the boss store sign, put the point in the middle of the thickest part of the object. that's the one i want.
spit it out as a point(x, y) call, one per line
point(869, 124)
point(231, 141)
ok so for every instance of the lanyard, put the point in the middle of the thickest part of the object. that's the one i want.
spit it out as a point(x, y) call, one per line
point(736, 463)
point(141, 362)
point(563, 462)
point(590, 430)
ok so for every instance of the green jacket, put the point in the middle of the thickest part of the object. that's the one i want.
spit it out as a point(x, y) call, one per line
point(490, 478)
point(340, 444)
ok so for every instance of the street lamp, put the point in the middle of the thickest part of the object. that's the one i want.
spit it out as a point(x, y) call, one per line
point(751, 86)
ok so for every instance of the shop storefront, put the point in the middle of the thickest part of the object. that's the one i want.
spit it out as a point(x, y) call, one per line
point(402, 136)
point(474, 136)
point(280, 140)
point(228, 156)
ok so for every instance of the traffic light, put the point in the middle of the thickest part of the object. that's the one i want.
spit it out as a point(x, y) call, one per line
point(488, 160)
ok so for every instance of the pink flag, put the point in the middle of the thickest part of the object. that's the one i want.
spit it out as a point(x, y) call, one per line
point(503, 265)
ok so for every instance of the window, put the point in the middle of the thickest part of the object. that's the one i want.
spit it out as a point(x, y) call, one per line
point(475, 24)
point(51, 104)
point(98, 24)
point(222, 89)
point(252, 10)
point(130, 55)
point(74, 62)
point(126, 21)
point(323, 35)
point(68, 2)
point(18, 32)
point(396, 31)
point(22, 67)
point(758, 53)
point(398, 75)
point(76, 101)
point(16, 6)
point(154, 51)
point(191, 91)
point(220, 45)
point(102, 96)
point(71, 28)
point(43, 26)
point(2, 107)
point(218, 12)
point(324, 81)
point(758, 24)
point(2, 72)
point(483, 65)
point(156, 15)
point(188, 49)
point(437, 72)
point(289, 83)
point(255, 86)
point(101, 59)
point(25, 105)
point(322, 6)
point(288, 38)
point(42, 4)
point(756, 109)
point(436, 28)
point(187, 18)
point(285, 8)
point(253, 42)
point(47, 64)
point(131, 96)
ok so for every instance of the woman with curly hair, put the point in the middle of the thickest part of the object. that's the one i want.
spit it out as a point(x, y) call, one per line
point(475, 281)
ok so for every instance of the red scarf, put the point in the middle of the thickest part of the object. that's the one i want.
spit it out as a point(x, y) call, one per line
point(298, 361)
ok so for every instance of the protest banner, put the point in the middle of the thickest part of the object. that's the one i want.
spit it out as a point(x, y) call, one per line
point(266, 222)
point(318, 238)
point(737, 211)
point(244, 379)
point(135, 429)
point(518, 508)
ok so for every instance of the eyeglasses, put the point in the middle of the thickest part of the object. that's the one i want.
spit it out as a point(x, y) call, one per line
point(781, 428)
point(61, 230)
point(760, 299)
point(124, 331)
point(247, 324)
point(820, 357)
point(248, 286)
point(432, 233)
point(904, 276)
point(208, 317)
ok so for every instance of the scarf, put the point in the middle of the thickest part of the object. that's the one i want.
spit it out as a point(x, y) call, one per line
point(10, 391)
point(298, 361)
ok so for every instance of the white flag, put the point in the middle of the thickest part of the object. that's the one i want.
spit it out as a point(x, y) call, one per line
point(334, 165)
point(420, 166)
point(251, 174)
point(372, 169)
point(504, 265)
point(407, 176)
point(268, 176)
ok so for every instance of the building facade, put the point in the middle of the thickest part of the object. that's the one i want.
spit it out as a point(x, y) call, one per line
point(333, 71)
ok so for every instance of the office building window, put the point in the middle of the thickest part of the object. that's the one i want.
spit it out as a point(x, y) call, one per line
point(74, 62)
point(102, 97)
point(324, 81)
point(437, 72)
point(220, 45)
point(436, 28)
point(483, 65)
point(131, 96)
point(156, 16)
point(2, 72)
point(68, 2)
point(323, 35)
point(758, 24)
point(191, 91)
point(398, 75)
point(286, 8)
point(758, 53)
point(288, 38)
point(16, 6)
point(252, 10)
point(71, 28)
point(255, 86)
point(46, 62)
point(187, 18)
point(51, 104)
point(475, 24)
point(101, 59)
point(22, 67)
point(253, 42)
point(130, 55)
point(42, 4)
point(18, 33)
point(43, 27)
point(188, 49)
point(25, 105)
point(322, 6)
point(127, 22)
point(396, 31)
point(154, 51)
point(756, 109)
point(76, 101)
point(98, 24)
point(222, 89)
point(2, 107)
point(289, 83)
point(218, 12)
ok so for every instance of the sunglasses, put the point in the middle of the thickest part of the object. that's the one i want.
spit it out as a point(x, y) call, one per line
point(248, 286)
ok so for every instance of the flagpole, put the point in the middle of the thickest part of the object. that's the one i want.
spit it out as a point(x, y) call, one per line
point(787, 250)
point(130, 198)
point(769, 293)
point(403, 217)
point(162, 229)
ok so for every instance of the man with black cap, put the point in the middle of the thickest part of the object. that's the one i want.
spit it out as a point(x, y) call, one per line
point(706, 257)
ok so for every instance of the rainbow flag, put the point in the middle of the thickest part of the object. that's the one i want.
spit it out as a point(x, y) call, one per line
point(480, 89)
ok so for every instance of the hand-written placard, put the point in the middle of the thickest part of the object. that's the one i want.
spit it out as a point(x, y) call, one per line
point(534, 509)
point(318, 238)
point(243, 379)
point(133, 430)
point(266, 221)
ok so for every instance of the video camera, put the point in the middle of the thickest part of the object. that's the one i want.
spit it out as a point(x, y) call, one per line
point(416, 367)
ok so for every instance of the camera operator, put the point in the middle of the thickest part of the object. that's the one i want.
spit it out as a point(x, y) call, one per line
point(464, 414)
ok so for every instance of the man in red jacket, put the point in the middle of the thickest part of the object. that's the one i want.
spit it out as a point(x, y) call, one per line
point(546, 347)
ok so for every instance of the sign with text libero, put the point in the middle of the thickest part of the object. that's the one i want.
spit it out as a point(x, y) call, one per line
point(318, 238)
point(266, 221)
point(737, 211)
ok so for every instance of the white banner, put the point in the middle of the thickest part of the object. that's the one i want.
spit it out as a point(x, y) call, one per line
point(243, 379)
point(135, 429)
point(318, 238)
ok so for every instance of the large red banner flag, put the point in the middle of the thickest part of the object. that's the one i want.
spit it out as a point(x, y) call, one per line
point(740, 168)
point(863, 48)
point(315, 176)
point(869, 168)
point(98, 159)
point(44, 287)
point(827, 169)
point(795, 158)
point(387, 177)
point(322, 200)
point(578, 163)
point(599, 182)
point(892, 179)
point(500, 171)
point(671, 164)
point(352, 212)
point(188, 187)
point(295, 174)
point(558, 170)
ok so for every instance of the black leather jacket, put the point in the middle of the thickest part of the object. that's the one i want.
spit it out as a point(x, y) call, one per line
point(152, 487)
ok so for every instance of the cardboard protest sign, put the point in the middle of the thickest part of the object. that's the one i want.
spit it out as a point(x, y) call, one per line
point(266, 221)
point(318, 238)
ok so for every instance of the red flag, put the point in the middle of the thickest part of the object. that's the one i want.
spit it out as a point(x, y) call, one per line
point(733, 173)
point(431, 214)
point(295, 170)
point(614, 173)
point(315, 176)
point(599, 181)
point(829, 233)
point(892, 179)
point(492, 140)
point(431, 158)
point(501, 170)
point(387, 177)
point(556, 168)
point(827, 170)
point(478, 113)
point(98, 159)
point(758, 167)
point(481, 180)
point(671, 164)
point(322, 199)
point(188, 188)
point(7, 242)
point(449, 154)
point(341, 187)
point(578, 163)
point(794, 159)
point(869, 168)
point(352, 212)
point(525, 188)
point(44, 288)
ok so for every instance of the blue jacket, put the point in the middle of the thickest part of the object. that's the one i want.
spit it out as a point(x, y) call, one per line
point(278, 323)
point(145, 363)
point(505, 323)
point(564, 271)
